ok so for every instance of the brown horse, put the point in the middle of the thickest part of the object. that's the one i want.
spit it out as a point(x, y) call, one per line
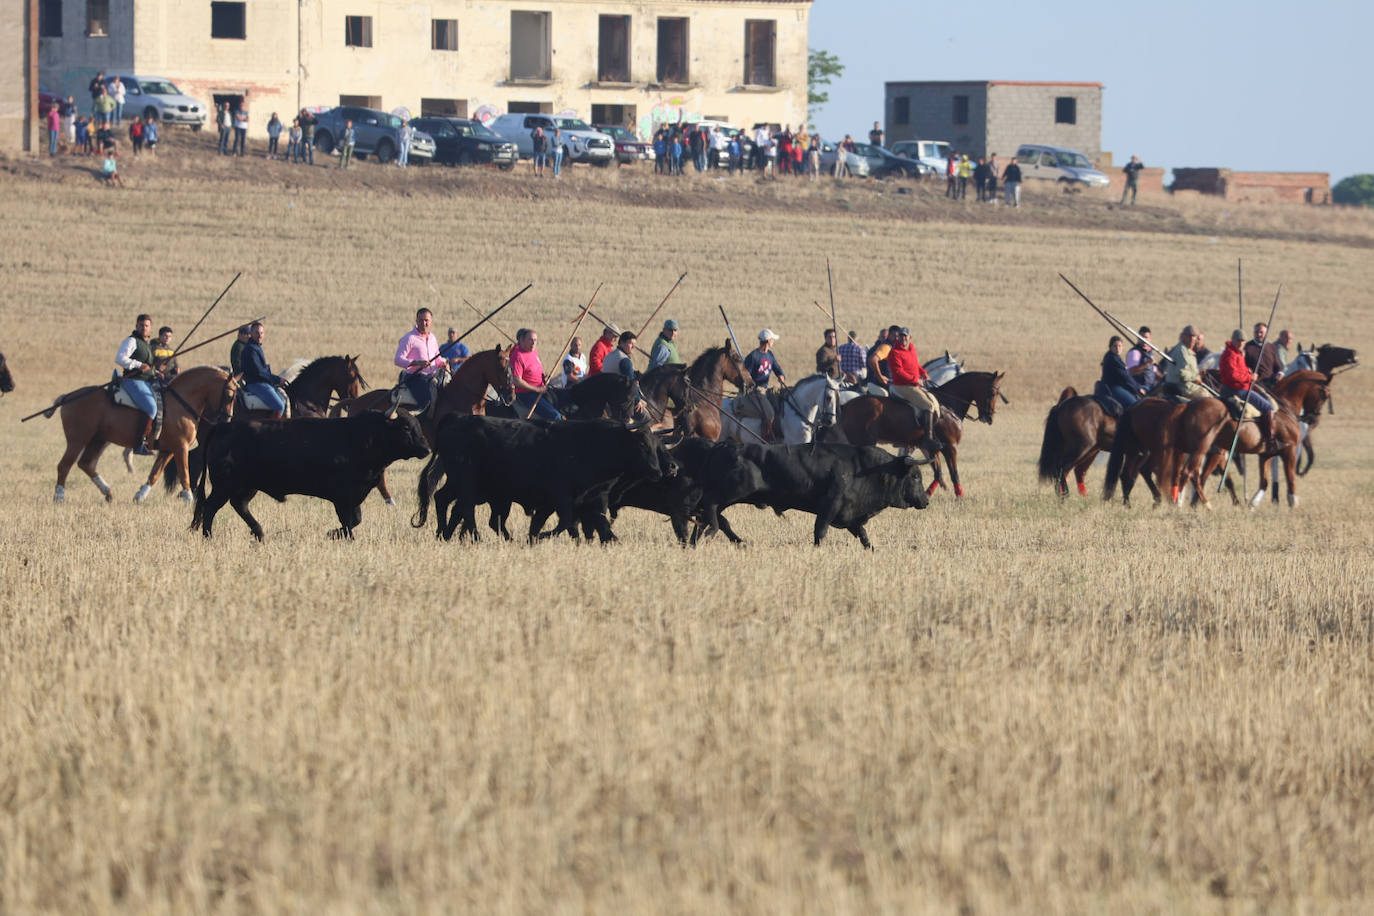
point(6, 379)
point(1077, 429)
point(465, 393)
point(321, 381)
point(1143, 446)
point(869, 420)
point(90, 422)
point(1299, 394)
point(705, 381)
point(666, 393)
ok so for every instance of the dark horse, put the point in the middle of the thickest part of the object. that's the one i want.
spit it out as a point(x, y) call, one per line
point(1076, 430)
point(1143, 446)
point(693, 393)
point(665, 391)
point(868, 420)
point(603, 395)
point(6, 379)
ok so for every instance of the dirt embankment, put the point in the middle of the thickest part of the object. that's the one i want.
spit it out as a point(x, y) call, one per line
point(185, 157)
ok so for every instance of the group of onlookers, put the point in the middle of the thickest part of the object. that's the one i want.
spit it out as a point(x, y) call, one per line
point(984, 174)
point(709, 147)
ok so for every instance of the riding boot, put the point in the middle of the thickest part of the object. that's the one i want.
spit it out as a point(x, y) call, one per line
point(146, 445)
point(1266, 425)
point(933, 443)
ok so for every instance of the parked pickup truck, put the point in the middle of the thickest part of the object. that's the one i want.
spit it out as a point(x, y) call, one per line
point(376, 133)
point(581, 142)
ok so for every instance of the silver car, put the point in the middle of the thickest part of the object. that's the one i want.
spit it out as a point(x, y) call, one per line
point(1073, 170)
point(159, 97)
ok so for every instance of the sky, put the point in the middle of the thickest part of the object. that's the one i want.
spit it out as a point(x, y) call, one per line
point(1260, 86)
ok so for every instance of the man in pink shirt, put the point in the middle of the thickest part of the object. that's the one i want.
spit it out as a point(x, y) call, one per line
point(418, 356)
point(54, 127)
point(527, 372)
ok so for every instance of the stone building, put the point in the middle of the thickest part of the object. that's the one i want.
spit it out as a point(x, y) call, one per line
point(18, 78)
point(614, 61)
point(983, 116)
point(1270, 187)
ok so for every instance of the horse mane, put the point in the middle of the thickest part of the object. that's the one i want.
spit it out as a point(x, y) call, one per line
point(702, 365)
point(295, 370)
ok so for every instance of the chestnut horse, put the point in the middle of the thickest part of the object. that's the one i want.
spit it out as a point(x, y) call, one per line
point(705, 388)
point(1298, 394)
point(1142, 446)
point(1077, 429)
point(91, 422)
point(868, 420)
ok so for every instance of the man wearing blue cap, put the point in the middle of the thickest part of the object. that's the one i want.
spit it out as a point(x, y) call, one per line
point(664, 352)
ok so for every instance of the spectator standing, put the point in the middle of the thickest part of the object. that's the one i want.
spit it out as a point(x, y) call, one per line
point(83, 136)
point(104, 110)
point(875, 136)
point(813, 159)
point(1011, 178)
point(226, 127)
point(660, 151)
point(718, 144)
point(965, 173)
point(293, 141)
point(54, 128)
point(96, 87)
point(992, 177)
point(696, 145)
point(540, 145)
point(675, 152)
point(240, 130)
point(785, 150)
point(980, 178)
point(841, 168)
point(119, 94)
point(150, 130)
point(346, 144)
point(735, 150)
point(761, 140)
point(951, 176)
point(557, 152)
point(306, 151)
point(136, 136)
point(273, 135)
point(853, 359)
point(407, 137)
point(1132, 172)
point(69, 119)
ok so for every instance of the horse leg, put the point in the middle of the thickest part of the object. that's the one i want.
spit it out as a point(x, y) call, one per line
point(89, 456)
point(159, 463)
point(240, 503)
point(64, 465)
point(1258, 496)
point(951, 456)
point(1274, 469)
point(1290, 468)
point(129, 460)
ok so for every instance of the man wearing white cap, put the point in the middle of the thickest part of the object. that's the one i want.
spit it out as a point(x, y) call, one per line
point(664, 352)
point(761, 365)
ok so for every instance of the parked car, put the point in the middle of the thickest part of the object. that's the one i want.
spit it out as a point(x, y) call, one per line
point(458, 141)
point(931, 153)
point(376, 133)
point(884, 163)
point(858, 165)
point(581, 143)
point(628, 147)
point(159, 97)
point(1073, 170)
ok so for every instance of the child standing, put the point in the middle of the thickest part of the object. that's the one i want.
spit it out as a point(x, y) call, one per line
point(293, 141)
point(136, 136)
point(273, 133)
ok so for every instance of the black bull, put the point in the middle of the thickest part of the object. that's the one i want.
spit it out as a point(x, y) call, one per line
point(569, 468)
point(340, 460)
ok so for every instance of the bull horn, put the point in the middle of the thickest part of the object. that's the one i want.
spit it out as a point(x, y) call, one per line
point(913, 461)
point(391, 414)
point(637, 424)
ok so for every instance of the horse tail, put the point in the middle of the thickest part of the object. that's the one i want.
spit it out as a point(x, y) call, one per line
point(1305, 447)
point(1051, 446)
point(425, 490)
point(198, 514)
point(341, 405)
point(1125, 443)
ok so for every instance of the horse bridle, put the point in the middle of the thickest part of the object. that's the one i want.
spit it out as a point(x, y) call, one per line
point(226, 398)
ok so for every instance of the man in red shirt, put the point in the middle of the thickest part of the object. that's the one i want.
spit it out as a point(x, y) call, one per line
point(604, 344)
point(907, 373)
point(1236, 378)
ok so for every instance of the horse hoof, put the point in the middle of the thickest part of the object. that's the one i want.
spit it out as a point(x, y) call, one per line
point(958, 490)
point(184, 496)
point(1292, 500)
point(142, 493)
point(1082, 489)
point(930, 490)
point(391, 502)
point(59, 495)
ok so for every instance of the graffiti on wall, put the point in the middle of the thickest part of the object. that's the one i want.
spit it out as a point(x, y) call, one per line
point(666, 111)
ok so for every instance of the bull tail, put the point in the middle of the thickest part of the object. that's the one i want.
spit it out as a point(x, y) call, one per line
point(198, 514)
point(1124, 444)
point(429, 478)
point(1051, 446)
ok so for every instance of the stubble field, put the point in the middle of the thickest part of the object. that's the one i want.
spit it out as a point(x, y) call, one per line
point(1012, 705)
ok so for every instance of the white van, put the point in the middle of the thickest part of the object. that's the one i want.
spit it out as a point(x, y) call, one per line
point(933, 153)
point(1073, 170)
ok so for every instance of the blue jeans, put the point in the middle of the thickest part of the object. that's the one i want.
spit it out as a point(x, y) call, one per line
point(545, 410)
point(558, 162)
point(52, 142)
point(1254, 398)
point(418, 386)
point(142, 394)
point(268, 395)
point(403, 157)
point(306, 151)
point(119, 112)
point(1124, 395)
point(540, 159)
point(701, 161)
point(224, 134)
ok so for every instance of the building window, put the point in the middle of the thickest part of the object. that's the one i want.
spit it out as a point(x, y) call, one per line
point(49, 18)
point(531, 49)
point(613, 50)
point(760, 39)
point(358, 31)
point(443, 108)
point(530, 108)
point(960, 115)
point(614, 115)
point(1066, 110)
point(443, 34)
point(672, 51)
point(361, 101)
point(227, 20)
point(901, 109)
point(98, 18)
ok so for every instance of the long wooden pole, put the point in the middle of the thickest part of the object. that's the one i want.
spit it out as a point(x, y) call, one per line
point(564, 351)
point(493, 312)
point(832, 318)
point(197, 325)
point(834, 326)
point(661, 304)
point(478, 312)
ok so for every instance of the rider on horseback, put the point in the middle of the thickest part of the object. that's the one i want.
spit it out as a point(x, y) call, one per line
point(760, 366)
point(417, 355)
point(906, 383)
point(1116, 378)
point(664, 352)
point(257, 375)
point(1181, 378)
point(1236, 377)
point(135, 357)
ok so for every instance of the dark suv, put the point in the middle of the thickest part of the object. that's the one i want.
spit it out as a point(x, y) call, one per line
point(376, 133)
point(458, 141)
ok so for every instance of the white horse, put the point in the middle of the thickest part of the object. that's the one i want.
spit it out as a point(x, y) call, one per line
point(943, 369)
point(807, 406)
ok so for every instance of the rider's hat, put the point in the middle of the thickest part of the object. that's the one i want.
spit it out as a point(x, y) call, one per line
point(670, 324)
point(611, 329)
point(766, 334)
point(1238, 335)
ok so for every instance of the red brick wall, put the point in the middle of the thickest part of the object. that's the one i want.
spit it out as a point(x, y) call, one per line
point(1290, 187)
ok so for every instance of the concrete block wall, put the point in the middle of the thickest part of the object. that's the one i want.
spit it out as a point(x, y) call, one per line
point(1020, 114)
point(931, 108)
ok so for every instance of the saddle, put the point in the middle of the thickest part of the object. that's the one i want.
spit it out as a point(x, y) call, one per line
point(1110, 405)
point(120, 397)
point(747, 407)
point(1241, 410)
point(250, 401)
point(401, 396)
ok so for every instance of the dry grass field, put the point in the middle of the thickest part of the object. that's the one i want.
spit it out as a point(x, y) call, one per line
point(1014, 704)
